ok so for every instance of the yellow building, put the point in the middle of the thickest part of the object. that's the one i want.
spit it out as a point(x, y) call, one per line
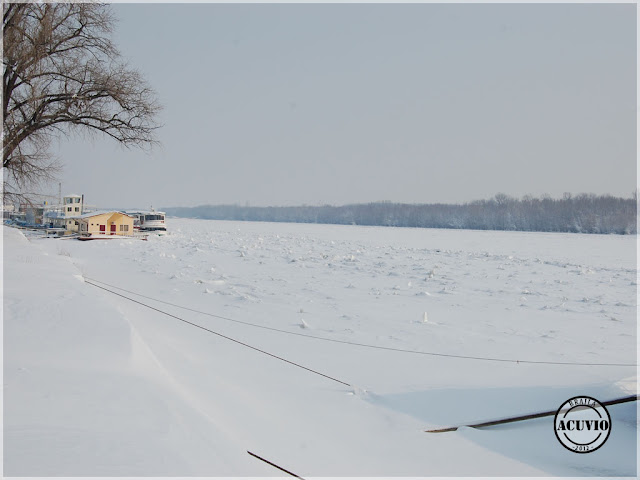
point(102, 223)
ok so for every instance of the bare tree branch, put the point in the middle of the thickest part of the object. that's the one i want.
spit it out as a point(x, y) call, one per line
point(63, 74)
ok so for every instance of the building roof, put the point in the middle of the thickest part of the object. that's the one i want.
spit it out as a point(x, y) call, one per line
point(99, 212)
point(145, 212)
point(54, 214)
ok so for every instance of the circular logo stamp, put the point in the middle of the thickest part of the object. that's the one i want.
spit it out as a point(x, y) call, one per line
point(582, 424)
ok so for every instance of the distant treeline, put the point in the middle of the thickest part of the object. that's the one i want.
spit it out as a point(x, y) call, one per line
point(584, 213)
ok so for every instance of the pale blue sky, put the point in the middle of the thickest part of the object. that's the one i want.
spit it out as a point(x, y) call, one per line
point(277, 104)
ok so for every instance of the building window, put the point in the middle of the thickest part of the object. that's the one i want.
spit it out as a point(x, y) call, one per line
point(77, 209)
point(68, 209)
point(124, 228)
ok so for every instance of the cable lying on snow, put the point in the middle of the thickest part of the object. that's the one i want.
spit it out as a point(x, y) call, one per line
point(219, 334)
point(358, 344)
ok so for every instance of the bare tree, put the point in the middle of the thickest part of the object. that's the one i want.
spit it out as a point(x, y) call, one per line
point(62, 74)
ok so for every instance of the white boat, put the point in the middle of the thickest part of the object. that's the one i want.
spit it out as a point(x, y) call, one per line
point(150, 221)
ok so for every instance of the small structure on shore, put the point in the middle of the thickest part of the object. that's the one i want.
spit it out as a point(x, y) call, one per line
point(70, 217)
point(104, 223)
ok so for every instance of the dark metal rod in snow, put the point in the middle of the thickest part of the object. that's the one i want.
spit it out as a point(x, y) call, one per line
point(521, 418)
point(274, 465)
point(220, 335)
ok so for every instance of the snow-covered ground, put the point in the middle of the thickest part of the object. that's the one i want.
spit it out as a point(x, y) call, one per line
point(95, 384)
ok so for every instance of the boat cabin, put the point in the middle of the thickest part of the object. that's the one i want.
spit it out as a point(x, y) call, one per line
point(151, 221)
